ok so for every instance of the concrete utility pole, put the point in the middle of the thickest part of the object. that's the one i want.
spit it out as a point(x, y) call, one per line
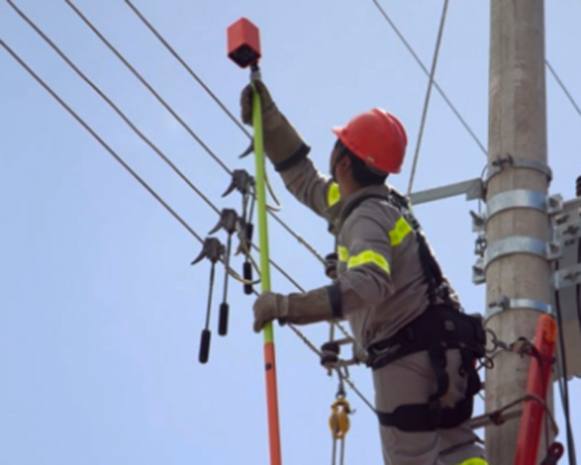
point(517, 268)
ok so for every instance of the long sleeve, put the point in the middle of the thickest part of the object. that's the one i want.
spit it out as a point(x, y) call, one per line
point(312, 189)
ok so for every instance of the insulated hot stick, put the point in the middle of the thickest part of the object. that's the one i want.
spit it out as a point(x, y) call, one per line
point(228, 221)
point(244, 50)
point(213, 251)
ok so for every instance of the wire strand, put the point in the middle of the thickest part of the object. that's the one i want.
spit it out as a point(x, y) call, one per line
point(181, 121)
point(138, 178)
point(100, 140)
point(443, 94)
point(190, 71)
point(563, 87)
point(428, 95)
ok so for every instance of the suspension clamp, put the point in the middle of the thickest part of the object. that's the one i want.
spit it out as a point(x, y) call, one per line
point(241, 181)
point(228, 221)
point(212, 249)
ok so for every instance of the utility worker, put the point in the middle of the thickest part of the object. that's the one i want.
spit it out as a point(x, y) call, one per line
point(402, 311)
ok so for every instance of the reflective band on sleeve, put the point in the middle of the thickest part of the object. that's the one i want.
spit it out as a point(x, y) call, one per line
point(369, 257)
point(399, 232)
point(333, 194)
point(342, 253)
point(474, 461)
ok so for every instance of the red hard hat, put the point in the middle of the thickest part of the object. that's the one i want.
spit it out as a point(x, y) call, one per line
point(376, 137)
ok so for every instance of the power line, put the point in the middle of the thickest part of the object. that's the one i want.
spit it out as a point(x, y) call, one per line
point(180, 120)
point(99, 139)
point(143, 81)
point(149, 189)
point(427, 73)
point(134, 128)
point(563, 87)
point(190, 71)
point(428, 94)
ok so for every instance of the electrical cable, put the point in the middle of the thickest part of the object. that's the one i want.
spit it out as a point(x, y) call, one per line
point(428, 94)
point(563, 87)
point(134, 128)
point(101, 141)
point(190, 71)
point(144, 184)
point(427, 73)
point(181, 121)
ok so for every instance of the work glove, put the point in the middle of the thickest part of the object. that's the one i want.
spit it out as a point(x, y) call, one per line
point(281, 140)
point(303, 308)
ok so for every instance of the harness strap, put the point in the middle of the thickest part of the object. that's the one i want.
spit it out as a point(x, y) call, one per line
point(423, 418)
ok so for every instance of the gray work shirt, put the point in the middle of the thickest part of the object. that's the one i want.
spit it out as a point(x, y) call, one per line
point(380, 275)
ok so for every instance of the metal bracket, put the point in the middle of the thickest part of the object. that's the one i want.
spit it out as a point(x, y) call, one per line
point(506, 303)
point(473, 188)
point(520, 244)
point(518, 198)
point(508, 161)
point(478, 274)
point(568, 230)
point(567, 277)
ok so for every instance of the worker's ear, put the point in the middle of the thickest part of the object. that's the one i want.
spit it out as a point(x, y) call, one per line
point(345, 164)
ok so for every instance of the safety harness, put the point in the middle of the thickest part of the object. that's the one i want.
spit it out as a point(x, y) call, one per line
point(442, 327)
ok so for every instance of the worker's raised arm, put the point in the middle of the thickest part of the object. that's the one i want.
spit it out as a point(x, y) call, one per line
point(288, 153)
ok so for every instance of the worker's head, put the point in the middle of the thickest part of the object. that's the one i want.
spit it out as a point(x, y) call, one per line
point(369, 147)
point(348, 169)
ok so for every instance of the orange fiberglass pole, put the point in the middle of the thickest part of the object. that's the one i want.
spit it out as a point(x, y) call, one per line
point(540, 371)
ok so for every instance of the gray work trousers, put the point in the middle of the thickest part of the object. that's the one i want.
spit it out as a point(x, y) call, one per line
point(411, 380)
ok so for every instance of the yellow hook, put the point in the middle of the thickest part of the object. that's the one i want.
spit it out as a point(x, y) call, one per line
point(339, 419)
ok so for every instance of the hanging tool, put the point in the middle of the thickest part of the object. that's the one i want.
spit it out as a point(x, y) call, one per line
point(228, 221)
point(244, 183)
point(244, 50)
point(339, 423)
point(213, 250)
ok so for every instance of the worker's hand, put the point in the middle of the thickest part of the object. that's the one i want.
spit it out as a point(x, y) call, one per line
point(298, 308)
point(281, 141)
point(271, 117)
point(269, 306)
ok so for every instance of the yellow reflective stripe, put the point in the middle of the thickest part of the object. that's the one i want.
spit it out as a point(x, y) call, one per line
point(474, 461)
point(333, 194)
point(342, 253)
point(369, 257)
point(399, 232)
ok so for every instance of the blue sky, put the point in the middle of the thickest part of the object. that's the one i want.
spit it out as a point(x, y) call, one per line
point(100, 311)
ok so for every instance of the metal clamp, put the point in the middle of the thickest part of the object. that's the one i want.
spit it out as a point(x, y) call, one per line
point(523, 198)
point(508, 161)
point(520, 244)
point(473, 189)
point(478, 274)
point(567, 277)
point(506, 303)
